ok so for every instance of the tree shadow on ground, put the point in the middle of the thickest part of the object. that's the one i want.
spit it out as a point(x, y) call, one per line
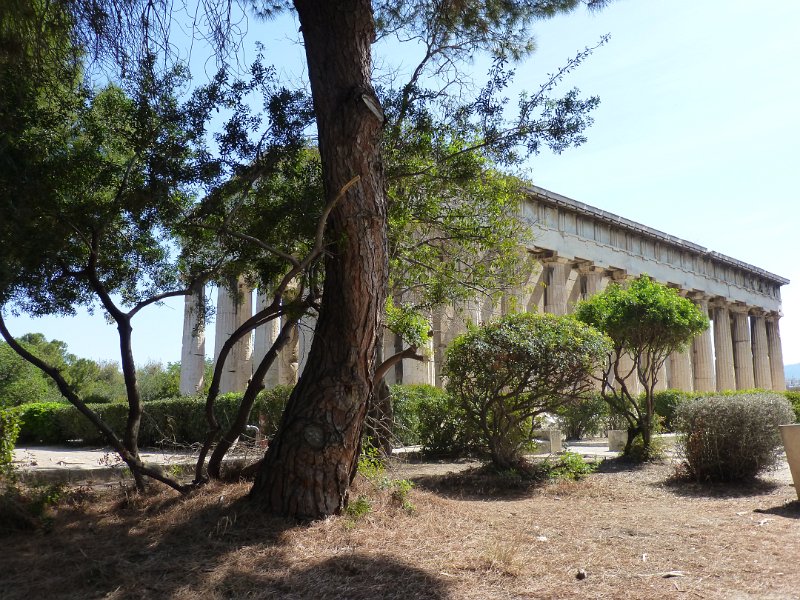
point(480, 483)
point(206, 545)
point(353, 576)
point(688, 488)
point(789, 510)
point(622, 464)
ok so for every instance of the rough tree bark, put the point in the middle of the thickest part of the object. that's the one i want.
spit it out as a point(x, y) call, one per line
point(308, 468)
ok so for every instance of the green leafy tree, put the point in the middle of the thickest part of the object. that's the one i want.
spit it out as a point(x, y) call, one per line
point(20, 381)
point(91, 183)
point(98, 186)
point(157, 381)
point(508, 372)
point(309, 466)
point(646, 321)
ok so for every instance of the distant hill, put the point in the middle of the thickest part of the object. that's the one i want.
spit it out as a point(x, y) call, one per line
point(792, 371)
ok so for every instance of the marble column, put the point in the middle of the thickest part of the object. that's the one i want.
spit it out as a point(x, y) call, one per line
point(448, 323)
point(420, 371)
point(680, 371)
point(234, 307)
point(775, 353)
point(305, 336)
point(723, 348)
point(536, 298)
point(193, 347)
point(288, 359)
point(661, 379)
point(593, 282)
point(391, 345)
point(263, 338)
point(703, 355)
point(742, 351)
point(626, 366)
point(556, 293)
point(761, 367)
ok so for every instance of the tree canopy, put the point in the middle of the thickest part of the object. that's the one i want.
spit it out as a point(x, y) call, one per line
point(646, 321)
point(507, 372)
point(132, 175)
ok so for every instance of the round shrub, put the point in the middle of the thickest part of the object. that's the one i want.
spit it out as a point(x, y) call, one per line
point(731, 438)
point(506, 373)
point(443, 426)
point(406, 403)
point(584, 417)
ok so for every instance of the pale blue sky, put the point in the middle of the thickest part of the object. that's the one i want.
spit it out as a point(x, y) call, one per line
point(696, 135)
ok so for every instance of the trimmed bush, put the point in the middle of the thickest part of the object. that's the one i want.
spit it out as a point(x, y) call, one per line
point(40, 425)
point(794, 400)
point(583, 418)
point(406, 402)
point(9, 429)
point(666, 403)
point(74, 426)
point(178, 420)
point(443, 428)
point(268, 410)
point(731, 438)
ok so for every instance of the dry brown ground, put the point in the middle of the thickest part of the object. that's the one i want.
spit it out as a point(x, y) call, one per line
point(625, 527)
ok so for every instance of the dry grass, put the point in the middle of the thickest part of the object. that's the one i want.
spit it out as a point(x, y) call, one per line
point(625, 528)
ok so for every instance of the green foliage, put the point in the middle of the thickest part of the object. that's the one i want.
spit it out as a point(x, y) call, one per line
point(794, 399)
point(408, 404)
point(641, 452)
point(400, 494)
point(646, 321)
point(20, 381)
point(504, 374)
point(9, 430)
point(156, 381)
point(370, 463)
point(96, 382)
point(644, 317)
point(442, 426)
point(585, 417)
point(269, 406)
point(41, 423)
point(372, 468)
point(570, 466)
point(666, 404)
point(179, 420)
point(359, 508)
point(408, 323)
point(731, 438)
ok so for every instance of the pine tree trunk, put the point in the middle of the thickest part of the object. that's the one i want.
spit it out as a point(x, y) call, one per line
point(309, 466)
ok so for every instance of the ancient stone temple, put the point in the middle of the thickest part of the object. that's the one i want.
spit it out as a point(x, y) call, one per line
point(580, 249)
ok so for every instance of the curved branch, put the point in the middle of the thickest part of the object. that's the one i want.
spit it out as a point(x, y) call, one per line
point(133, 461)
point(383, 368)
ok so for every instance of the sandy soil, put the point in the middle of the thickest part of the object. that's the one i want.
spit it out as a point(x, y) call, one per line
point(624, 532)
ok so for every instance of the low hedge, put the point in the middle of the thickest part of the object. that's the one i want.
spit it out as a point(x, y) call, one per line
point(9, 429)
point(794, 400)
point(179, 420)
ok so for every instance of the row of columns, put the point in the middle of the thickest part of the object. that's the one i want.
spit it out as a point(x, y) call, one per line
point(743, 352)
point(234, 308)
